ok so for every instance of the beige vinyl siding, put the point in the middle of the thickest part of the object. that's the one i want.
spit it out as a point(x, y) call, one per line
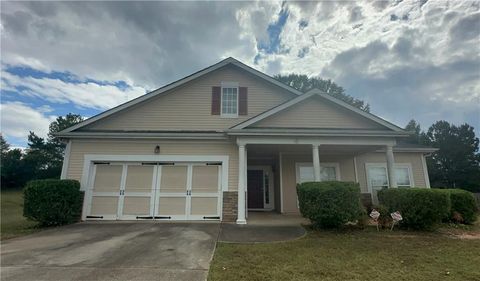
point(189, 107)
point(316, 112)
point(415, 159)
point(145, 147)
point(347, 172)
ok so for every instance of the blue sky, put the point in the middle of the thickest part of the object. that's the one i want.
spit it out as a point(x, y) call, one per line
point(407, 59)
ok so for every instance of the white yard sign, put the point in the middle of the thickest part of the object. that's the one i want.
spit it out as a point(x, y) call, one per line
point(396, 216)
point(374, 214)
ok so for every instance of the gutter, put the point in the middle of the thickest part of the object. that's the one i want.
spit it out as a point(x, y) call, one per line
point(119, 135)
point(329, 133)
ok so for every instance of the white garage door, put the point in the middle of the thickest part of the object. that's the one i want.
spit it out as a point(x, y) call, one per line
point(162, 191)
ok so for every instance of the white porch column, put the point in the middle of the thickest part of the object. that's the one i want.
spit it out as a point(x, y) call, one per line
point(246, 183)
point(390, 167)
point(316, 163)
point(241, 185)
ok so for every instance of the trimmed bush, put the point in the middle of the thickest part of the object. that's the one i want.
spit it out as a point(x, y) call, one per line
point(330, 204)
point(421, 208)
point(463, 206)
point(52, 201)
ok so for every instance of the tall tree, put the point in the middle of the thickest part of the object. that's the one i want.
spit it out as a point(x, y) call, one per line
point(416, 134)
point(44, 157)
point(304, 83)
point(4, 146)
point(457, 162)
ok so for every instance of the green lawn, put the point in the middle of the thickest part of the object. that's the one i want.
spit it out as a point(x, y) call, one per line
point(12, 221)
point(352, 255)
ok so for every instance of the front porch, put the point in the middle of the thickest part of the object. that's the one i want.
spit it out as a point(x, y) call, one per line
point(271, 172)
point(272, 218)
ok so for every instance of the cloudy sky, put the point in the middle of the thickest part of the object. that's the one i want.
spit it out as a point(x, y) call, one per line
point(407, 59)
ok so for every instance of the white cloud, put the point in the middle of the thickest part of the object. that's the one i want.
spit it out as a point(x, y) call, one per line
point(20, 118)
point(147, 44)
point(418, 57)
point(83, 94)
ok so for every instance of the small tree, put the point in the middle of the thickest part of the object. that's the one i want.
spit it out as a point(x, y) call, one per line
point(12, 166)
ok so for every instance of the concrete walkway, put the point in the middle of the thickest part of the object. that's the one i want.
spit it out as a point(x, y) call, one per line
point(234, 233)
point(264, 227)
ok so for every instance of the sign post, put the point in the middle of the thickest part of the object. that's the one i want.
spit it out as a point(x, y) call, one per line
point(396, 216)
point(374, 214)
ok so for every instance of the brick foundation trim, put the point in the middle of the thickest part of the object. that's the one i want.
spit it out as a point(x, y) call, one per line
point(230, 201)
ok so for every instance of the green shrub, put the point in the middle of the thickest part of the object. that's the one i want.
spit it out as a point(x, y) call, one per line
point(330, 203)
point(421, 208)
point(52, 201)
point(463, 206)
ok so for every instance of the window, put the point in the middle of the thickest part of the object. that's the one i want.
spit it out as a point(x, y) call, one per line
point(403, 176)
point(377, 177)
point(229, 101)
point(328, 172)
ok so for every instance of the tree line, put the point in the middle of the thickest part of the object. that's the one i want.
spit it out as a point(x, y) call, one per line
point(42, 159)
point(456, 164)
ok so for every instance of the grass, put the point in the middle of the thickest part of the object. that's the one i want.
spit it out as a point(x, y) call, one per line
point(12, 222)
point(351, 255)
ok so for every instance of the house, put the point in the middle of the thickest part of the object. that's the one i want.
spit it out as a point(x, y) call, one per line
point(226, 140)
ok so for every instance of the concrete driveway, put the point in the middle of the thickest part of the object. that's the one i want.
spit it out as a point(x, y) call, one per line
point(112, 251)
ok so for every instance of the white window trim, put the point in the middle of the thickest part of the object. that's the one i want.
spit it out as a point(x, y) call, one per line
point(384, 165)
point(336, 165)
point(229, 85)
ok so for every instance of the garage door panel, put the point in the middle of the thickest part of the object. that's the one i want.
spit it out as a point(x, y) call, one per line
point(204, 206)
point(104, 205)
point(107, 178)
point(139, 178)
point(172, 206)
point(174, 179)
point(205, 179)
point(139, 206)
point(181, 191)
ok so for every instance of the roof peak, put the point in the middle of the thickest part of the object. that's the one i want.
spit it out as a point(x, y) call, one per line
point(315, 91)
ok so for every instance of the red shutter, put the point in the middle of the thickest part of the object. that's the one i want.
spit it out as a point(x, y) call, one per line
point(243, 101)
point(216, 100)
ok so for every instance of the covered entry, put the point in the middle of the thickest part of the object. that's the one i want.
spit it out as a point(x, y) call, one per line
point(154, 190)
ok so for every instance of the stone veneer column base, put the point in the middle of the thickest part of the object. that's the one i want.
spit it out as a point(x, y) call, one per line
point(230, 201)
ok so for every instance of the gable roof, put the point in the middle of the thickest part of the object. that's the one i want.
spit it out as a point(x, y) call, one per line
point(309, 94)
point(225, 62)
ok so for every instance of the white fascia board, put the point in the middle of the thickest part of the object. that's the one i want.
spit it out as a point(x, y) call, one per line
point(117, 135)
point(367, 141)
point(180, 82)
point(289, 132)
point(66, 160)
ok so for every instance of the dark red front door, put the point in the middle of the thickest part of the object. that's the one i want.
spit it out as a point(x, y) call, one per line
point(255, 189)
